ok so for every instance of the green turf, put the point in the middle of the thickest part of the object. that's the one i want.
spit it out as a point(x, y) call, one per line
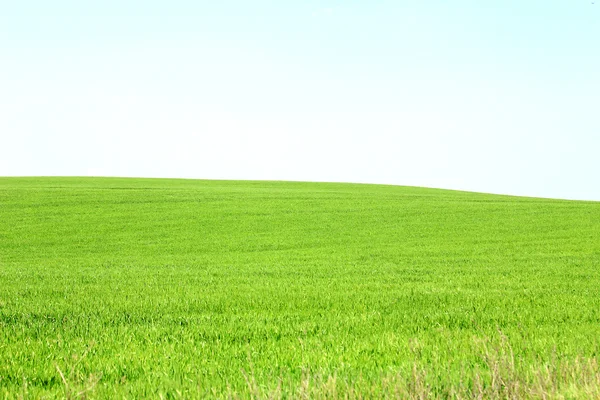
point(183, 288)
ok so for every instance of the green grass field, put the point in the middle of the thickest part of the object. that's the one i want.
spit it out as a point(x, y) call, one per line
point(130, 288)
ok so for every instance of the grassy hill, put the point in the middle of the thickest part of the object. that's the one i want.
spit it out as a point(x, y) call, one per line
point(183, 288)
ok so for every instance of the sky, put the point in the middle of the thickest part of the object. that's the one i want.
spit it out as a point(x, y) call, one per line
point(497, 96)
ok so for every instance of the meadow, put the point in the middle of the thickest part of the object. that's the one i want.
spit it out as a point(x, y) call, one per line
point(136, 288)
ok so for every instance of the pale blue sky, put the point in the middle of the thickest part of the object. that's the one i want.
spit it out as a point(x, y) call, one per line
point(492, 96)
